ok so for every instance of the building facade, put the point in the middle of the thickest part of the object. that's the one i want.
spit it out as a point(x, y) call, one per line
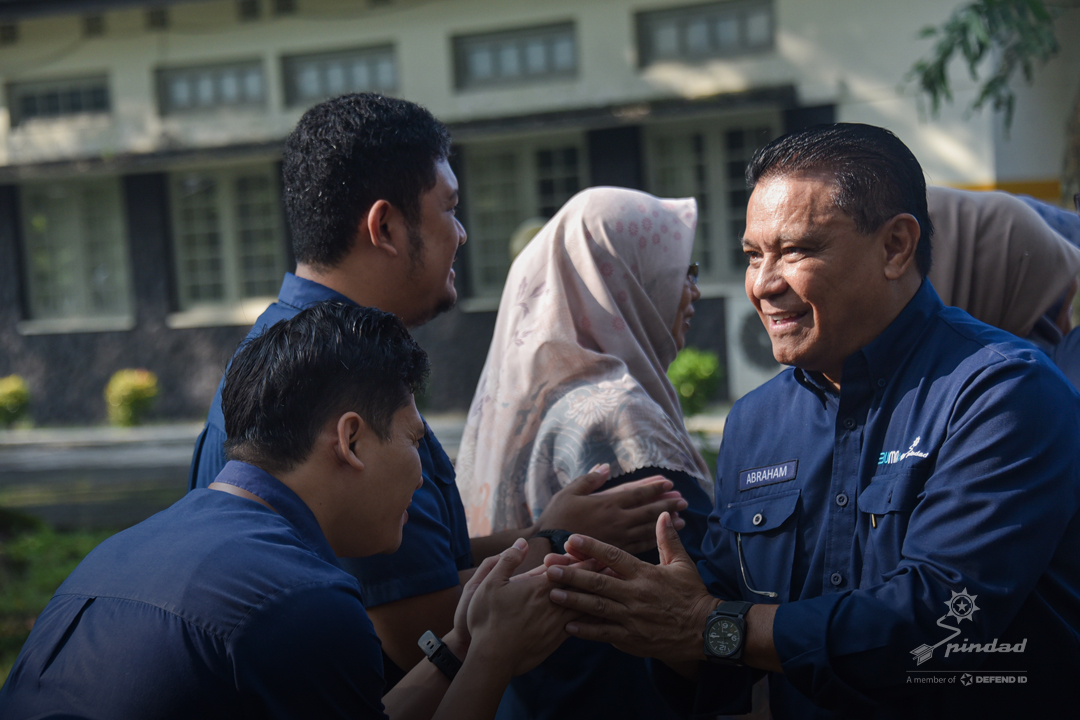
point(140, 213)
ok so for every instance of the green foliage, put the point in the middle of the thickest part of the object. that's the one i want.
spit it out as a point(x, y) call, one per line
point(129, 394)
point(696, 376)
point(14, 399)
point(1016, 33)
point(34, 560)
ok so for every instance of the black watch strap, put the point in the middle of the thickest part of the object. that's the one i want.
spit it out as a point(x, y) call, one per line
point(439, 654)
point(732, 608)
point(557, 538)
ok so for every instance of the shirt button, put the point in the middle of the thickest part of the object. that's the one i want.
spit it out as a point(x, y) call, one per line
point(758, 519)
point(849, 423)
point(841, 500)
point(836, 578)
point(882, 382)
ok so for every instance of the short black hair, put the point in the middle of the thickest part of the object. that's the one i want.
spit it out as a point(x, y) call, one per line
point(877, 176)
point(287, 383)
point(347, 153)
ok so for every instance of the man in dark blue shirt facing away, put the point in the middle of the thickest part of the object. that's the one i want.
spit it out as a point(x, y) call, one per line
point(231, 603)
point(897, 521)
point(371, 202)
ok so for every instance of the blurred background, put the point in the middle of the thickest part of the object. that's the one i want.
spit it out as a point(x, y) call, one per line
point(141, 225)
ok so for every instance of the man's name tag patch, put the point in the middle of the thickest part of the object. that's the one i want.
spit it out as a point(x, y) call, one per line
point(756, 477)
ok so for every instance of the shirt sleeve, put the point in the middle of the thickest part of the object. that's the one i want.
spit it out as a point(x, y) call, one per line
point(434, 542)
point(991, 515)
point(309, 652)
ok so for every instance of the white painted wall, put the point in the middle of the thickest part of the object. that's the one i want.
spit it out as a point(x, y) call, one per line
point(851, 52)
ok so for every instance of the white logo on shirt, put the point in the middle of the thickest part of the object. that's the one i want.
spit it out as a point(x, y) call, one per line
point(891, 458)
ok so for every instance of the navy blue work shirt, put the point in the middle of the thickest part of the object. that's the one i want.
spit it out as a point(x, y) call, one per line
point(217, 607)
point(911, 526)
point(435, 541)
point(1066, 355)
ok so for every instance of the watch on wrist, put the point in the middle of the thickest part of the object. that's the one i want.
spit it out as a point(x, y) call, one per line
point(439, 654)
point(557, 538)
point(725, 633)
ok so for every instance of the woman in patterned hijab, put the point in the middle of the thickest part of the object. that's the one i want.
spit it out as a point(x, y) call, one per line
point(594, 310)
point(591, 316)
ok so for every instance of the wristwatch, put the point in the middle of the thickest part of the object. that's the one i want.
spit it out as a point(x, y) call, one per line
point(725, 633)
point(439, 654)
point(557, 538)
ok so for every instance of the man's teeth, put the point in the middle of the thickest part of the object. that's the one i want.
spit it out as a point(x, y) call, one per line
point(777, 319)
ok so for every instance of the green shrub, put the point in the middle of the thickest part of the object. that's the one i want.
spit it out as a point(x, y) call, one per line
point(129, 394)
point(696, 376)
point(14, 399)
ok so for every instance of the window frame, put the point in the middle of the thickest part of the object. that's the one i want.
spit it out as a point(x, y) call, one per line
point(529, 201)
point(460, 44)
point(164, 74)
point(228, 229)
point(122, 317)
point(711, 12)
point(289, 76)
point(87, 85)
point(716, 277)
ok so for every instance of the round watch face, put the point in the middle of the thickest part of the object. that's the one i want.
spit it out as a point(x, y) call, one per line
point(724, 637)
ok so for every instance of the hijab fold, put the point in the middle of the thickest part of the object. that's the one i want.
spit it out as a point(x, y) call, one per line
point(996, 258)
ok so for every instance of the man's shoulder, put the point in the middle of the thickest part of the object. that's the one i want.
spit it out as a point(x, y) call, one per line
point(209, 559)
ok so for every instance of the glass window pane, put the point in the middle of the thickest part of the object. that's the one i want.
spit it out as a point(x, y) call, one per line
point(564, 53)
point(253, 85)
point(361, 75)
point(335, 77)
point(666, 39)
point(204, 89)
point(307, 80)
point(230, 86)
point(384, 73)
point(75, 249)
point(480, 63)
point(509, 64)
point(180, 91)
point(758, 28)
point(697, 37)
point(727, 33)
point(535, 56)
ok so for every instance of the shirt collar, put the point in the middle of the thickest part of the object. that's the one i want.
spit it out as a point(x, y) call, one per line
point(891, 348)
point(281, 497)
point(301, 293)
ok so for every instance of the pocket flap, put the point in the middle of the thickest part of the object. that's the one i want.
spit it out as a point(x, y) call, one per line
point(894, 492)
point(760, 514)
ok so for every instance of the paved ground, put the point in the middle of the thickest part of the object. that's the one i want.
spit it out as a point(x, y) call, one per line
point(114, 477)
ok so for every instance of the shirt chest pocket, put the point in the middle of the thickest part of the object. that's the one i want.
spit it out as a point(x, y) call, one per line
point(895, 492)
point(763, 540)
point(885, 506)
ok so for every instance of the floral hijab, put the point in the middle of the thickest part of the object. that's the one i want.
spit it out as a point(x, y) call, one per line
point(575, 374)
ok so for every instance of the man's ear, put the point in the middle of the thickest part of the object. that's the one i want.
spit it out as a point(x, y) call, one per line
point(351, 430)
point(385, 228)
point(901, 238)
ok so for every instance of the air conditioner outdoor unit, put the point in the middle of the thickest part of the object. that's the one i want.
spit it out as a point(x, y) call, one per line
point(750, 360)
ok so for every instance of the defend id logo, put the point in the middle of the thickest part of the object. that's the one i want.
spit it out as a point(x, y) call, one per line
point(962, 607)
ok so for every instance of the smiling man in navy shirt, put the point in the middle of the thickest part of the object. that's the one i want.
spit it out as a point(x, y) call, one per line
point(231, 603)
point(896, 530)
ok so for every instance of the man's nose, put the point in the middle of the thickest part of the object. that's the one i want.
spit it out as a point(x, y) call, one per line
point(462, 235)
point(769, 280)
